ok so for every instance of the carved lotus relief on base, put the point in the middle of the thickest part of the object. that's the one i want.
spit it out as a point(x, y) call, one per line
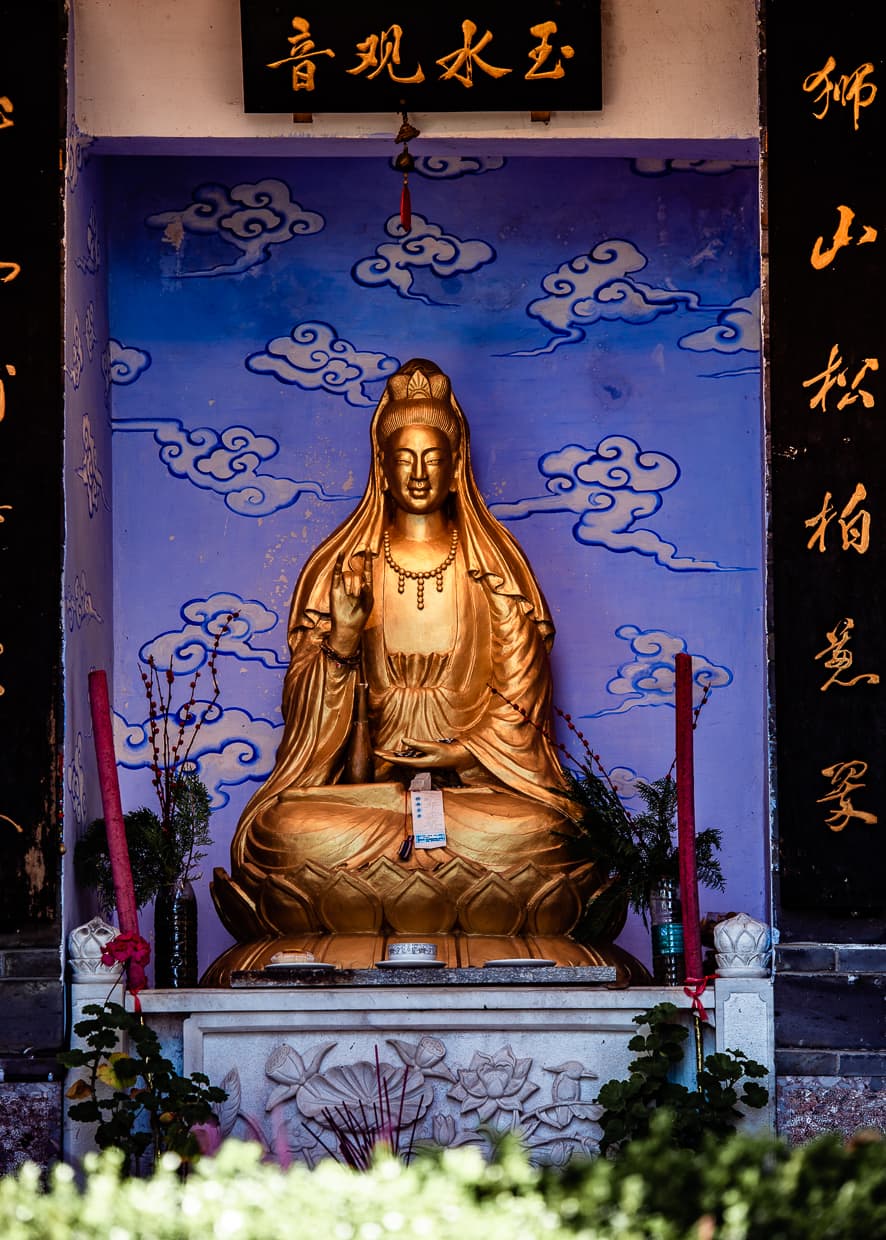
point(311, 1102)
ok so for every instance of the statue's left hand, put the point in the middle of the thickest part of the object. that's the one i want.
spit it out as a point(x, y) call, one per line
point(428, 755)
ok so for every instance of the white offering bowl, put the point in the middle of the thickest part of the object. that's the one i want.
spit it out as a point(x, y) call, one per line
point(412, 951)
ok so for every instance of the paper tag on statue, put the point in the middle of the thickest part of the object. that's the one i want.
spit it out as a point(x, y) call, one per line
point(428, 820)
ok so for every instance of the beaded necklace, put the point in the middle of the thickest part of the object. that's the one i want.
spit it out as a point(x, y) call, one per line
point(419, 577)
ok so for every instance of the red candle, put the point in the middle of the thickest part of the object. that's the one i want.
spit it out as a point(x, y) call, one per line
point(686, 817)
point(118, 850)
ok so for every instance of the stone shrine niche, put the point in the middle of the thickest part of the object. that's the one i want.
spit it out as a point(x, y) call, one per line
point(245, 369)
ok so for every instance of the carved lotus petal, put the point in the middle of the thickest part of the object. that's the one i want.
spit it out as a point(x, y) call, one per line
point(490, 906)
point(605, 912)
point(347, 1088)
point(383, 875)
point(526, 879)
point(424, 1054)
point(285, 907)
point(228, 1110)
point(311, 877)
point(443, 1128)
point(457, 876)
point(349, 906)
point(555, 1153)
point(587, 878)
point(85, 947)
point(420, 905)
point(555, 909)
point(250, 877)
point(494, 1085)
point(287, 1068)
point(742, 942)
point(236, 909)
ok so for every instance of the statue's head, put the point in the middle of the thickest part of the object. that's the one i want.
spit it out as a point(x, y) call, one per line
point(419, 395)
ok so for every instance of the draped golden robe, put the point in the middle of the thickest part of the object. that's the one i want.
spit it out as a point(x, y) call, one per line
point(508, 809)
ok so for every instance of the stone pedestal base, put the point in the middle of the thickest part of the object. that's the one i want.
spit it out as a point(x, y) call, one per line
point(461, 1050)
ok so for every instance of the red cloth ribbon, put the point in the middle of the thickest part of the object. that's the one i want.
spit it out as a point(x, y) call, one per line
point(134, 952)
point(406, 208)
point(694, 988)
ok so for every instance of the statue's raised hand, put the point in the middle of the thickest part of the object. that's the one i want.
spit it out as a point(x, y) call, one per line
point(350, 603)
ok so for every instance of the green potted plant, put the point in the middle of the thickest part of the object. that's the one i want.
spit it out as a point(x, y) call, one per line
point(165, 848)
point(639, 850)
point(165, 862)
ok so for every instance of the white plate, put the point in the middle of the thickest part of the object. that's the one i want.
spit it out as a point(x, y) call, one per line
point(307, 966)
point(418, 962)
point(519, 962)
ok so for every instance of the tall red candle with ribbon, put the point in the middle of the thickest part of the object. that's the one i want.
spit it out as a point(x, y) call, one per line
point(686, 817)
point(118, 849)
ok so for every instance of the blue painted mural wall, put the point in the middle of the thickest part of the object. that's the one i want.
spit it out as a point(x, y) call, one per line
point(599, 319)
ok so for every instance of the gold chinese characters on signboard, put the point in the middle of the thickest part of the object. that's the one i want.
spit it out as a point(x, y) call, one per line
point(843, 236)
point(854, 523)
point(836, 375)
point(848, 90)
point(380, 52)
point(838, 657)
point(843, 384)
point(845, 778)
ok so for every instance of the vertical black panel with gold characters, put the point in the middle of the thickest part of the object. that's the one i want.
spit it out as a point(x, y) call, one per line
point(825, 109)
point(31, 430)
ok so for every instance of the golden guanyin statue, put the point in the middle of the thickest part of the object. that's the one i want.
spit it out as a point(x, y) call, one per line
point(419, 622)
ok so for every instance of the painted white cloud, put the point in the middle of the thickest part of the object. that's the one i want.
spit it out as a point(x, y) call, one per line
point(75, 781)
point(125, 362)
point(185, 650)
point(706, 167)
point(76, 359)
point(77, 155)
point(609, 488)
point(231, 747)
point(597, 287)
point(737, 328)
point(226, 462)
point(91, 261)
point(251, 216)
point(88, 470)
point(425, 247)
point(313, 357)
point(624, 780)
point(448, 167)
point(79, 604)
point(89, 329)
point(648, 678)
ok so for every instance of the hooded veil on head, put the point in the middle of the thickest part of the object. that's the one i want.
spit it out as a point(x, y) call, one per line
point(491, 554)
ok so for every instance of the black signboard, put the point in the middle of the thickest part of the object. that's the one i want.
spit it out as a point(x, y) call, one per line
point(825, 99)
point(538, 56)
point(31, 392)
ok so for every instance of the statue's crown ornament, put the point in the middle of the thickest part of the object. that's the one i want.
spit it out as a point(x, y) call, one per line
point(419, 395)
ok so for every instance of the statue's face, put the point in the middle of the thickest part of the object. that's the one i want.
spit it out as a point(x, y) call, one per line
point(418, 466)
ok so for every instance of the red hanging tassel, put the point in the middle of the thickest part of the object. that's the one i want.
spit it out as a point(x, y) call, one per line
point(406, 207)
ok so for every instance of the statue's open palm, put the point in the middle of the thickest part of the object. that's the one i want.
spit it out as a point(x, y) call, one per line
point(350, 602)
